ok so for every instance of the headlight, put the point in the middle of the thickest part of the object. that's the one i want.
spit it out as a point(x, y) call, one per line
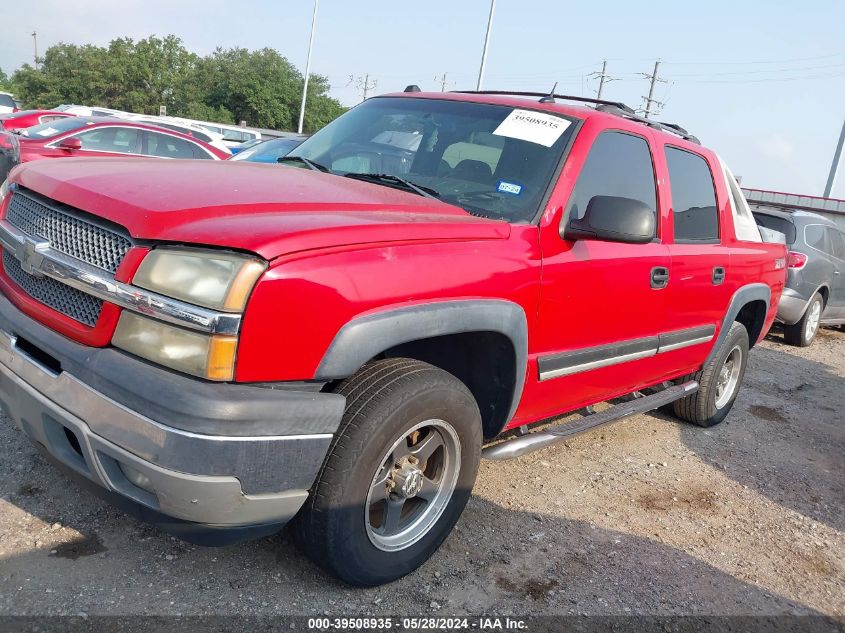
point(4, 190)
point(206, 356)
point(220, 281)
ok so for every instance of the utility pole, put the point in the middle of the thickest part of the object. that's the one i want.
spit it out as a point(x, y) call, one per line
point(442, 81)
point(486, 44)
point(307, 69)
point(834, 167)
point(603, 77)
point(35, 45)
point(363, 84)
point(650, 100)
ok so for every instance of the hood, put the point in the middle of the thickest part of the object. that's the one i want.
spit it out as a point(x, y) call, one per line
point(266, 209)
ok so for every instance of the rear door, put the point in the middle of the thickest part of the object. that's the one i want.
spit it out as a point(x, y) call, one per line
point(169, 146)
point(600, 312)
point(701, 282)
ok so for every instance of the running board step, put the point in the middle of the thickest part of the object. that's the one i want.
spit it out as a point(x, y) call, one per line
point(517, 446)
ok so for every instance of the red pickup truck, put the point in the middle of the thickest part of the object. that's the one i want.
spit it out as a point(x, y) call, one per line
point(221, 348)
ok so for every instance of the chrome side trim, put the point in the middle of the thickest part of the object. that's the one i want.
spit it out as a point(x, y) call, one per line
point(589, 358)
point(678, 339)
point(694, 341)
point(606, 362)
point(45, 260)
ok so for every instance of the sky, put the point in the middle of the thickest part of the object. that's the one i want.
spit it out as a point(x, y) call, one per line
point(762, 83)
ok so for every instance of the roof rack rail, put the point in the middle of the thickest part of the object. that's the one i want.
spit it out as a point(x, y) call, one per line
point(672, 128)
point(611, 107)
point(546, 95)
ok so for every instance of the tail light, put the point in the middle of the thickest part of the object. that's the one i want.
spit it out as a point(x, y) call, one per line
point(795, 260)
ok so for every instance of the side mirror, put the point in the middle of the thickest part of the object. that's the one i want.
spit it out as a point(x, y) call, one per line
point(70, 144)
point(613, 219)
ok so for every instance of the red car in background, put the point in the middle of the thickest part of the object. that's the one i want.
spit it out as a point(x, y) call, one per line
point(22, 119)
point(107, 136)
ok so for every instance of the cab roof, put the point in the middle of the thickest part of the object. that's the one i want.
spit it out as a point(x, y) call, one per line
point(566, 105)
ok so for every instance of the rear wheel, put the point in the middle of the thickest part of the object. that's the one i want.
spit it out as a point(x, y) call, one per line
point(719, 381)
point(802, 333)
point(398, 475)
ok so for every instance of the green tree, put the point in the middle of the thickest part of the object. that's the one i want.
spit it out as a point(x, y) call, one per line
point(5, 82)
point(230, 85)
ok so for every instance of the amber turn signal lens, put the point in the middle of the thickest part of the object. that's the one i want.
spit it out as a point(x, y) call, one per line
point(221, 358)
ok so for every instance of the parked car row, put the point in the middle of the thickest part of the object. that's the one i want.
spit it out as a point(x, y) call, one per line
point(228, 136)
point(107, 136)
point(71, 130)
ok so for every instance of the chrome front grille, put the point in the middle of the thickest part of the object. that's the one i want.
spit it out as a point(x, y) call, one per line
point(71, 233)
point(54, 294)
point(66, 231)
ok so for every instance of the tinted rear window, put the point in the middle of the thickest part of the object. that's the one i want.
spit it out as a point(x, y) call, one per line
point(48, 130)
point(777, 224)
point(693, 197)
point(6, 100)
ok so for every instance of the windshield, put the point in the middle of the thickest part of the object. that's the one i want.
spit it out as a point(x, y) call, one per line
point(267, 151)
point(59, 126)
point(494, 161)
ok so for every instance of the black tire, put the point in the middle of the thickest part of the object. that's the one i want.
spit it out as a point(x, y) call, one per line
point(384, 400)
point(700, 408)
point(797, 334)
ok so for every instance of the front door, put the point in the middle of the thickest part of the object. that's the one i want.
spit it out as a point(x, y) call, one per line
point(601, 303)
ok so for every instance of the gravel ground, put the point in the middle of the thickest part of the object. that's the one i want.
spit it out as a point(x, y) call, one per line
point(647, 516)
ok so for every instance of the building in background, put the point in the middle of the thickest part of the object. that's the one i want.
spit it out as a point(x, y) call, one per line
point(831, 208)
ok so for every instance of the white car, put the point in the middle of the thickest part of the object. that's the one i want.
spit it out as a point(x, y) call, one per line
point(191, 129)
point(233, 135)
point(80, 110)
point(8, 103)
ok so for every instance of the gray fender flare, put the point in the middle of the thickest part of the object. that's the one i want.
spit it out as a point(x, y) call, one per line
point(743, 296)
point(365, 337)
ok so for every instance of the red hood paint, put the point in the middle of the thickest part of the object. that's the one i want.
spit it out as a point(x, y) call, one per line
point(267, 209)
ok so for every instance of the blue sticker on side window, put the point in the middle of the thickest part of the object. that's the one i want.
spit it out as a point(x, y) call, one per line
point(503, 186)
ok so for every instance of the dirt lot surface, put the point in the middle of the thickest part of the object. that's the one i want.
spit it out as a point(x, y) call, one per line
point(646, 516)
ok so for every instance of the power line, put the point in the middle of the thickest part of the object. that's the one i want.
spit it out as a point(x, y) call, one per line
point(650, 101)
point(762, 71)
point(766, 80)
point(363, 84)
point(443, 82)
point(748, 63)
point(603, 77)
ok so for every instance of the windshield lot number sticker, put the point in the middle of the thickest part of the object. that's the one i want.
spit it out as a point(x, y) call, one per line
point(509, 187)
point(534, 127)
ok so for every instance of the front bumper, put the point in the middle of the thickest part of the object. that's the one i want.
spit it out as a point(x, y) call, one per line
point(222, 468)
point(791, 307)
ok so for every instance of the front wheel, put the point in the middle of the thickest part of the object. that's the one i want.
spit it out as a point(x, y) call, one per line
point(719, 381)
point(398, 474)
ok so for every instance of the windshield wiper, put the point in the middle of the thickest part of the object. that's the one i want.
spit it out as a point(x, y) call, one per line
point(310, 163)
point(426, 192)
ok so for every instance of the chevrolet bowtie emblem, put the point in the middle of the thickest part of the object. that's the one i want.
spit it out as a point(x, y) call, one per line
point(30, 255)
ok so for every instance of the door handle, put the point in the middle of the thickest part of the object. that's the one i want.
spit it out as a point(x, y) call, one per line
point(718, 275)
point(659, 277)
